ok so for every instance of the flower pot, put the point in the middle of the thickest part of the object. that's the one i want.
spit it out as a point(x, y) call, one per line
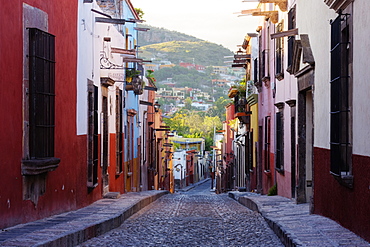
point(129, 87)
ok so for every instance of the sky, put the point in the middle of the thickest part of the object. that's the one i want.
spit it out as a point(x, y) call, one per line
point(211, 20)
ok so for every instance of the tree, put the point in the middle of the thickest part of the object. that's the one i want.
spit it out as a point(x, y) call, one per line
point(218, 108)
point(139, 12)
point(177, 122)
point(192, 125)
point(188, 103)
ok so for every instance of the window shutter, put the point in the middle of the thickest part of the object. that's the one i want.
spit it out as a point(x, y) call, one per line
point(42, 93)
point(339, 124)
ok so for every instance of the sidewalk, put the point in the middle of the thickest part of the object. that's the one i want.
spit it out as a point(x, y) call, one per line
point(190, 187)
point(293, 224)
point(75, 227)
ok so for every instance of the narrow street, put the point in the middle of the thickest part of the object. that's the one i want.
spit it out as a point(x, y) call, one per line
point(194, 218)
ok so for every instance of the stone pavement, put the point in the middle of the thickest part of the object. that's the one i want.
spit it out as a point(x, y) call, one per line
point(293, 224)
point(197, 217)
point(75, 227)
point(192, 186)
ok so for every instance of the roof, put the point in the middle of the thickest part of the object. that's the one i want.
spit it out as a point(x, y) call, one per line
point(132, 9)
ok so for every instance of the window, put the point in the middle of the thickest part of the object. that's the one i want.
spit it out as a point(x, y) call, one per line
point(92, 136)
point(291, 39)
point(265, 65)
point(42, 94)
point(340, 115)
point(255, 73)
point(38, 103)
point(279, 152)
point(249, 149)
point(264, 61)
point(119, 132)
point(267, 144)
point(279, 54)
point(130, 151)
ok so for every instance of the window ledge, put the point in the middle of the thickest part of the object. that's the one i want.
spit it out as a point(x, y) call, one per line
point(38, 166)
point(280, 170)
point(279, 76)
point(92, 187)
point(267, 173)
point(118, 174)
point(266, 79)
point(345, 180)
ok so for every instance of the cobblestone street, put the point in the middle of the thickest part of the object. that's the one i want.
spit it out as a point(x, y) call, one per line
point(195, 218)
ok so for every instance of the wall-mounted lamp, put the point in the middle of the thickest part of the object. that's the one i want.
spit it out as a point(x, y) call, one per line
point(156, 106)
point(252, 35)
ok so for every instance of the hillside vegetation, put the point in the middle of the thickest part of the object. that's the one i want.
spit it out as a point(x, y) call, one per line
point(199, 52)
point(162, 44)
point(160, 35)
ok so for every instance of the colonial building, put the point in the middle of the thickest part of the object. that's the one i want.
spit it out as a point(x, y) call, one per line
point(79, 125)
point(312, 142)
point(333, 45)
point(39, 144)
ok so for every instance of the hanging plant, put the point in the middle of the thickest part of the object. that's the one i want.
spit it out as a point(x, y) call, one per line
point(242, 88)
point(131, 73)
point(150, 76)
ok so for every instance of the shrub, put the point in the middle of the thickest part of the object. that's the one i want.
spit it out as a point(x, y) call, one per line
point(273, 191)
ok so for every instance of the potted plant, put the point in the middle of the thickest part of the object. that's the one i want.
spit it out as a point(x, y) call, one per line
point(150, 75)
point(131, 73)
point(233, 91)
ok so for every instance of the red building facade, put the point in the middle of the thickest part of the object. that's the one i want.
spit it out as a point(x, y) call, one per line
point(40, 175)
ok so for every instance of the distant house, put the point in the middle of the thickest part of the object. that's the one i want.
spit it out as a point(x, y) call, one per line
point(179, 165)
point(201, 106)
point(152, 66)
point(194, 148)
point(200, 67)
point(192, 66)
point(187, 65)
point(220, 69)
point(166, 66)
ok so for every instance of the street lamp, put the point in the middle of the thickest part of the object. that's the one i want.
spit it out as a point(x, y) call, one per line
point(156, 106)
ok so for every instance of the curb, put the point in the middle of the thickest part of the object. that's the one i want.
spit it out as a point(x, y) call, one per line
point(283, 235)
point(97, 219)
point(190, 187)
point(293, 224)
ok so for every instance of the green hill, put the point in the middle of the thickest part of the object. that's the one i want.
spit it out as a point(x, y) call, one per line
point(201, 52)
point(160, 35)
point(160, 44)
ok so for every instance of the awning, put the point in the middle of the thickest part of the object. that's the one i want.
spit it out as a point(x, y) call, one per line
point(141, 29)
point(142, 102)
point(150, 88)
point(122, 51)
point(291, 32)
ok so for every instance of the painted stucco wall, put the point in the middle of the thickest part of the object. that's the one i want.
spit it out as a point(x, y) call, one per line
point(313, 18)
point(347, 206)
point(179, 161)
point(91, 46)
point(361, 75)
point(61, 184)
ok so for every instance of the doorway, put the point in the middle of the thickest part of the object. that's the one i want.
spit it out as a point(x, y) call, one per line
point(305, 147)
